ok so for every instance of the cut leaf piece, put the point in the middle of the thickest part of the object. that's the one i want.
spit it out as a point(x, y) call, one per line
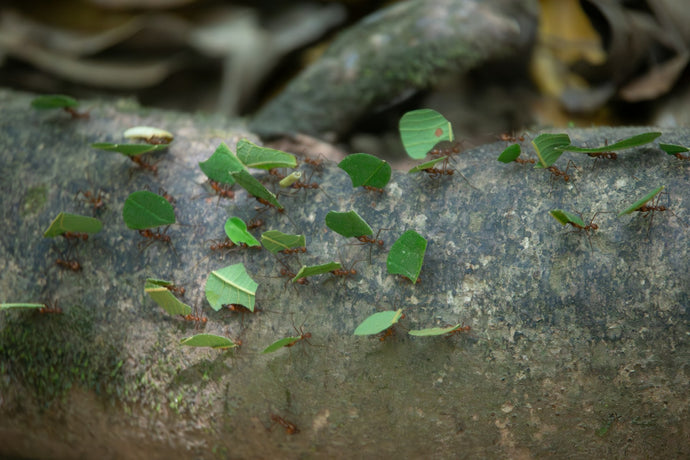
point(312, 270)
point(673, 149)
point(349, 224)
point(254, 156)
point(282, 343)
point(365, 169)
point(149, 135)
point(130, 150)
point(634, 141)
point(426, 165)
point(254, 187)
point(53, 101)
point(290, 179)
point(220, 165)
point(236, 230)
point(378, 322)
point(549, 148)
point(158, 291)
point(144, 209)
point(276, 241)
point(208, 340)
point(436, 330)
point(639, 203)
point(407, 255)
point(421, 130)
point(8, 306)
point(510, 154)
point(565, 217)
point(66, 222)
point(231, 284)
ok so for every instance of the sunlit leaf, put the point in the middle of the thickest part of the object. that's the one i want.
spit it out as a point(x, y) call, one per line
point(407, 255)
point(639, 203)
point(208, 340)
point(549, 148)
point(426, 165)
point(254, 156)
point(130, 150)
point(421, 130)
point(144, 209)
point(378, 322)
point(510, 154)
point(312, 270)
point(349, 224)
point(236, 230)
point(276, 241)
point(565, 217)
point(66, 222)
point(634, 141)
point(254, 187)
point(158, 291)
point(220, 165)
point(282, 343)
point(365, 169)
point(53, 101)
point(231, 284)
point(149, 134)
point(432, 331)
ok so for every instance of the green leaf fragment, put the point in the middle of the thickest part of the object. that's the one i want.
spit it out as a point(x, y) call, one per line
point(8, 306)
point(313, 270)
point(421, 130)
point(220, 165)
point(254, 187)
point(348, 224)
point(641, 202)
point(565, 217)
point(231, 284)
point(407, 255)
point(432, 331)
point(158, 291)
point(66, 222)
point(510, 154)
point(276, 241)
point(144, 209)
point(130, 150)
point(549, 147)
point(208, 340)
point(630, 142)
point(290, 179)
point(378, 322)
point(236, 230)
point(365, 169)
point(148, 133)
point(254, 156)
point(53, 101)
point(282, 343)
point(426, 165)
point(673, 149)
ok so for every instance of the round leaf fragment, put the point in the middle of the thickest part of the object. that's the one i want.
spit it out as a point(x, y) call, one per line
point(378, 322)
point(510, 154)
point(349, 224)
point(236, 230)
point(144, 209)
point(231, 284)
point(208, 340)
point(639, 203)
point(407, 255)
point(66, 222)
point(421, 130)
point(365, 169)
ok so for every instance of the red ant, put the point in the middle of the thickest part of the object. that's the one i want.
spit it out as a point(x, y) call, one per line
point(346, 272)
point(680, 156)
point(222, 190)
point(556, 173)
point(152, 236)
point(74, 114)
point(268, 204)
point(315, 163)
point(590, 227)
point(511, 138)
point(389, 332)
point(50, 309)
point(286, 272)
point(254, 223)
point(168, 197)
point(275, 172)
point(73, 264)
point(76, 236)
point(177, 290)
point(196, 317)
point(459, 330)
point(438, 172)
point(301, 249)
point(225, 244)
point(654, 207)
point(524, 161)
point(237, 308)
point(445, 148)
point(605, 155)
point(144, 165)
point(373, 189)
point(290, 428)
point(302, 336)
point(95, 200)
point(419, 279)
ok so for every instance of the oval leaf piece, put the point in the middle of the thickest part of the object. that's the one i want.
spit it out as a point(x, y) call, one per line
point(282, 343)
point(144, 209)
point(276, 241)
point(510, 154)
point(130, 150)
point(231, 284)
point(421, 130)
point(312, 270)
point(407, 255)
point(158, 291)
point(365, 169)
point(630, 142)
point(349, 224)
point(565, 217)
point(237, 231)
point(254, 156)
point(219, 165)
point(435, 331)
point(53, 101)
point(8, 306)
point(549, 147)
point(639, 203)
point(66, 222)
point(378, 322)
point(673, 149)
point(208, 340)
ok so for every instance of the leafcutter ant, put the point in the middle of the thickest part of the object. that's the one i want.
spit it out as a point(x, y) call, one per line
point(92, 198)
point(237, 308)
point(302, 336)
point(222, 190)
point(588, 228)
point(75, 236)
point(524, 161)
point(366, 239)
point(445, 148)
point(151, 237)
point(68, 264)
point(286, 272)
point(177, 290)
point(268, 204)
point(196, 317)
point(439, 172)
point(389, 332)
point(254, 223)
point(301, 249)
point(346, 272)
point(652, 207)
point(373, 189)
point(139, 161)
point(462, 329)
point(511, 137)
point(290, 427)
point(49, 308)
point(556, 173)
point(75, 114)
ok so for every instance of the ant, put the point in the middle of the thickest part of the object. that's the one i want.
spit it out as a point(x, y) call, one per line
point(346, 272)
point(419, 279)
point(76, 236)
point(222, 190)
point(301, 249)
point(373, 189)
point(177, 290)
point(511, 137)
point(290, 427)
point(286, 272)
point(524, 161)
point(237, 308)
point(590, 227)
point(75, 114)
point(95, 200)
point(445, 148)
point(225, 244)
point(268, 204)
point(144, 165)
point(50, 309)
point(556, 173)
point(680, 156)
point(152, 236)
point(275, 172)
point(604, 155)
point(254, 223)
point(366, 239)
point(459, 330)
point(389, 332)
point(196, 317)
point(73, 264)
point(168, 197)
point(302, 336)
point(438, 172)
point(314, 163)
point(654, 207)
